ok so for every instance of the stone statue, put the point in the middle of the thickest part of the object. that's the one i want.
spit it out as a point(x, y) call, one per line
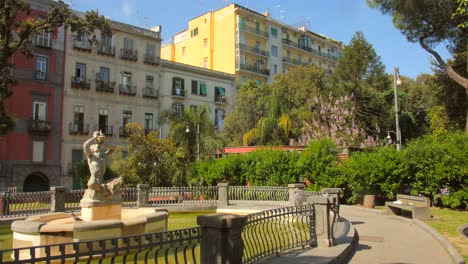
point(97, 152)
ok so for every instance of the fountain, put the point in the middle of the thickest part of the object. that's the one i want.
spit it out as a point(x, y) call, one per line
point(101, 213)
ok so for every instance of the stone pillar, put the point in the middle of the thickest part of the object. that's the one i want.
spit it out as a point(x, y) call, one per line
point(323, 221)
point(223, 194)
point(293, 198)
point(143, 195)
point(221, 241)
point(333, 193)
point(58, 199)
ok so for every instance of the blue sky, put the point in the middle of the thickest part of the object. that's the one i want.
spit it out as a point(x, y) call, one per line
point(338, 19)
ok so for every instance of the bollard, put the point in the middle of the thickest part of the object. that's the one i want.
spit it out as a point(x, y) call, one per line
point(143, 195)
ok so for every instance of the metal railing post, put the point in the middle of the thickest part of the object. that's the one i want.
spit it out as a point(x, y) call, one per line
point(143, 195)
point(223, 194)
point(221, 241)
point(58, 199)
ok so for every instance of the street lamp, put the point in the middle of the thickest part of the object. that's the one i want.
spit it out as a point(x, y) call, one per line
point(396, 82)
point(187, 130)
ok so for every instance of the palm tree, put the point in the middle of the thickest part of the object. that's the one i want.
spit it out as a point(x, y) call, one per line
point(193, 130)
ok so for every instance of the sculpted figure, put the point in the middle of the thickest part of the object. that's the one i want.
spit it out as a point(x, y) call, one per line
point(97, 152)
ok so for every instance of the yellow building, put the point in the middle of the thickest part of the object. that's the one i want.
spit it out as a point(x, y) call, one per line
point(239, 41)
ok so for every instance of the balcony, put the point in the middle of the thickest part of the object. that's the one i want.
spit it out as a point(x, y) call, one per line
point(309, 49)
point(255, 69)
point(220, 99)
point(107, 130)
point(78, 82)
point(177, 92)
point(105, 86)
point(127, 89)
point(106, 50)
point(254, 50)
point(42, 42)
point(294, 61)
point(78, 129)
point(129, 54)
point(123, 132)
point(82, 45)
point(40, 126)
point(150, 92)
point(253, 30)
point(151, 60)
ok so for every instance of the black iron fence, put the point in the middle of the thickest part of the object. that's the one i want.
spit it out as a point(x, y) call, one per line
point(200, 196)
point(24, 203)
point(177, 246)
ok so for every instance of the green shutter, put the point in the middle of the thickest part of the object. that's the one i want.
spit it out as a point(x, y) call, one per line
point(221, 91)
point(203, 90)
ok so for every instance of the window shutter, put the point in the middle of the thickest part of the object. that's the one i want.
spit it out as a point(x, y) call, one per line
point(173, 83)
point(183, 83)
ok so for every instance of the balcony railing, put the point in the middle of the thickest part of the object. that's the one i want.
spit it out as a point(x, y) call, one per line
point(81, 45)
point(151, 59)
point(150, 92)
point(255, 50)
point(80, 83)
point(220, 99)
point(105, 86)
point(40, 126)
point(309, 49)
point(78, 128)
point(129, 54)
point(294, 61)
point(42, 42)
point(254, 68)
point(107, 130)
point(124, 132)
point(178, 92)
point(254, 30)
point(106, 50)
point(127, 89)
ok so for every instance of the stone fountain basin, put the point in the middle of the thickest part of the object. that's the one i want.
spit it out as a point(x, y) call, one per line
point(56, 228)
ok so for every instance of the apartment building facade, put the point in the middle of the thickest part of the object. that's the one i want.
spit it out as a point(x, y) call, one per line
point(240, 41)
point(30, 154)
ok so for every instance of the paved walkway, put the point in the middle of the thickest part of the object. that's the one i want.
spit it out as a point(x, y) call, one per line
point(392, 239)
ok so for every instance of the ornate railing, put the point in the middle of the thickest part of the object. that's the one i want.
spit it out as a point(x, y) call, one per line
point(183, 196)
point(129, 197)
point(177, 246)
point(260, 195)
point(72, 200)
point(278, 230)
point(24, 204)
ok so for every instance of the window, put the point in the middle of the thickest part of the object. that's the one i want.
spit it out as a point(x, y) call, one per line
point(193, 107)
point(177, 86)
point(106, 40)
point(242, 22)
point(149, 81)
point(104, 74)
point(150, 50)
point(219, 119)
point(205, 63)
point(183, 51)
point(41, 67)
point(148, 122)
point(203, 91)
point(177, 108)
point(257, 46)
point(194, 87)
point(82, 38)
point(126, 118)
point(274, 32)
point(199, 88)
point(274, 51)
point(80, 72)
point(194, 32)
point(126, 80)
point(38, 151)
point(275, 68)
point(128, 43)
point(243, 40)
point(43, 38)
point(103, 117)
point(320, 49)
point(78, 118)
point(39, 110)
point(257, 27)
point(220, 94)
point(242, 59)
point(205, 43)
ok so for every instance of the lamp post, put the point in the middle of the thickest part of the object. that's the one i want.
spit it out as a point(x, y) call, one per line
point(396, 82)
point(187, 130)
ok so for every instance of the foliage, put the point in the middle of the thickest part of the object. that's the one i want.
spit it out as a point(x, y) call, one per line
point(16, 36)
point(81, 174)
point(334, 119)
point(212, 171)
point(360, 72)
point(150, 160)
point(201, 132)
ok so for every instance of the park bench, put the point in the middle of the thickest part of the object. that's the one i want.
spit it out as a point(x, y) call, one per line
point(418, 206)
point(166, 198)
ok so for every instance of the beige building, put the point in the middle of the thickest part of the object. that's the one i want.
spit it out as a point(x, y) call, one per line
point(123, 80)
point(240, 41)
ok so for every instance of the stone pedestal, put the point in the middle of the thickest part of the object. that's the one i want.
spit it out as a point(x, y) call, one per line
point(104, 211)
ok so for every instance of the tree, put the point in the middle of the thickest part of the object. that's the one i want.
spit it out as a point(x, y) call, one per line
point(360, 73)
point(431, 23)
point(150, 160)
point(15, 36)
point(249, 109)
point(201, 131)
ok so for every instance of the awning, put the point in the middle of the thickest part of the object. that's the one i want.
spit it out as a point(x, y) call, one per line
point(221, 91)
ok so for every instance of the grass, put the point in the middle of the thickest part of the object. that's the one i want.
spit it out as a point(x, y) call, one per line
point(179, 220)
point(447, 222)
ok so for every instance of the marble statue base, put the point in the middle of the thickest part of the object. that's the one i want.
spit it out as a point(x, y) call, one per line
point(104, 211)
